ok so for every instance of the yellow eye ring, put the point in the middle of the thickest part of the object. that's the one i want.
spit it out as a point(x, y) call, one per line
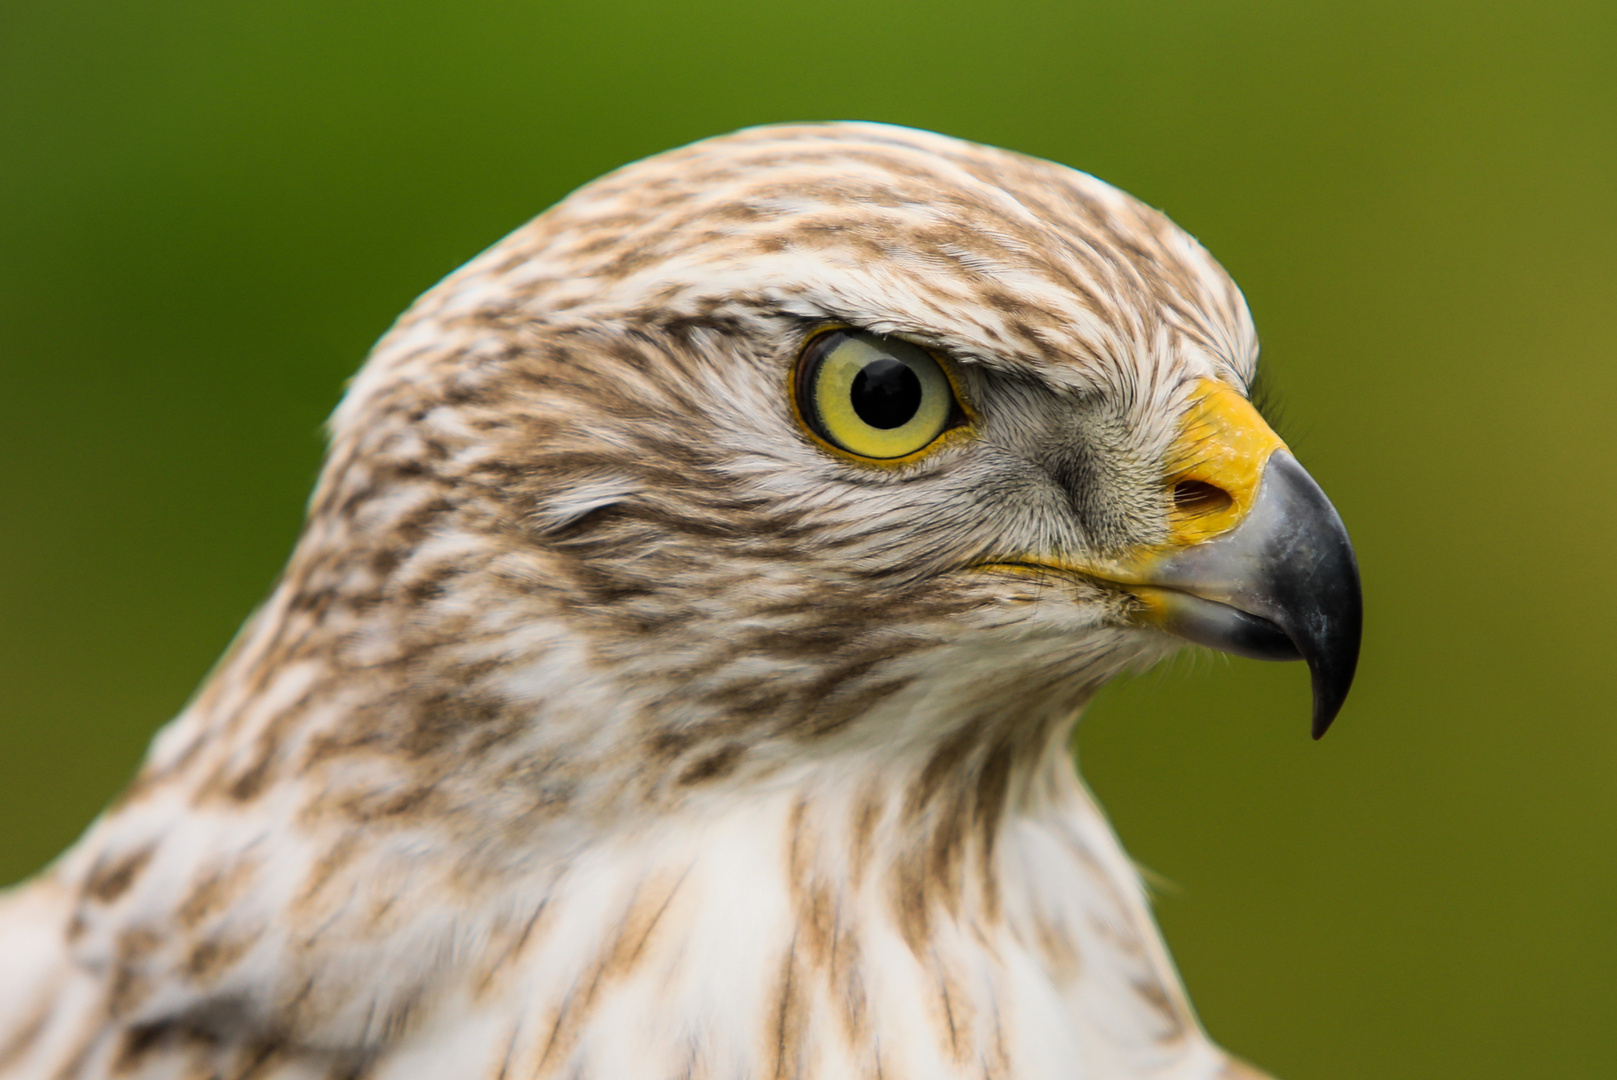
point(875, 397)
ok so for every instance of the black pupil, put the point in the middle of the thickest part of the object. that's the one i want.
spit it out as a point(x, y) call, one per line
point(886, 393)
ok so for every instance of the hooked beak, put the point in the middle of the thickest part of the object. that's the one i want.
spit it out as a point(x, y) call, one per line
point(1281, 585)
point(1259, 563)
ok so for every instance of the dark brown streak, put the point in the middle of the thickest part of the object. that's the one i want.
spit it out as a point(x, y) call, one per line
point(110, 880)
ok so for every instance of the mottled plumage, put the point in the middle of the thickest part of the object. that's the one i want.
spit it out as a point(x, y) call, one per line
point(606, 724)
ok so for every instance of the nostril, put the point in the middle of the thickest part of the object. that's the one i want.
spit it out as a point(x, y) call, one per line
point(1200, 497)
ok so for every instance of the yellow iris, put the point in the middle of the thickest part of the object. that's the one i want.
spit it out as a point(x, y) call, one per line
point(873, 396)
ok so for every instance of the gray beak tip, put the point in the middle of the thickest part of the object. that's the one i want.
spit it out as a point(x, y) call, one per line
point(1324, 713)
point(1327, 614)
point(1333, 659)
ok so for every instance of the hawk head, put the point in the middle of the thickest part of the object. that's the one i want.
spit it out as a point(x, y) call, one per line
point(829, 432)
point(686, 628)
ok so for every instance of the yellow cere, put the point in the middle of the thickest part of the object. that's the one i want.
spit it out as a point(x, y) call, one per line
point(833, 398)
point(1218, 459)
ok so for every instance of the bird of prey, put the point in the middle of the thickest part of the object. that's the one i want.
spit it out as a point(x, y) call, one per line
point(675, 673)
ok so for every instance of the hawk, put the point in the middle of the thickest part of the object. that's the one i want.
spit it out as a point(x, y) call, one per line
point(675, 673)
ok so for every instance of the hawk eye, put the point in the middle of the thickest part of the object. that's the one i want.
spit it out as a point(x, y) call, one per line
point(877, 397)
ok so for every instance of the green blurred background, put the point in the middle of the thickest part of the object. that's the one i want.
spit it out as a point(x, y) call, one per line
point(208, 210)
